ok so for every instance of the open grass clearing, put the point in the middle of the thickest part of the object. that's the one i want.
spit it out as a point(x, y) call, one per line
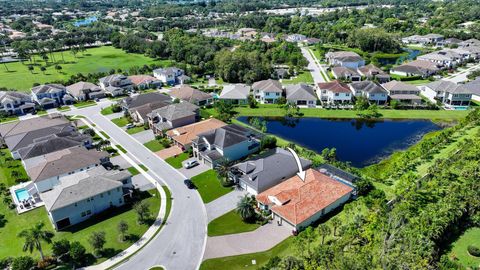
point(230, 223)
point(303, 77)
point(9, 165)
point(209, 187)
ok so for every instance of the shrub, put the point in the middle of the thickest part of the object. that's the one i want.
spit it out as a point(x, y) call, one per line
point(116, 108)
point(473, 250)
point(23, 263)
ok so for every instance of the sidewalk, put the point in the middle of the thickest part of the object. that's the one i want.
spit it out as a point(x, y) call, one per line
point(151, 232)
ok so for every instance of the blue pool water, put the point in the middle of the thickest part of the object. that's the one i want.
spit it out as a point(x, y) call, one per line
point(22, 194)
point(460, 108)
point(357, 141)
point(85, 21)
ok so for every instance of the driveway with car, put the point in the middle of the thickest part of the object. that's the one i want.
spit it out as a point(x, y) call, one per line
point(194, 171)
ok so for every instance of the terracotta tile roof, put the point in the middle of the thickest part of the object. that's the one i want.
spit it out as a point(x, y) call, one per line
point(296, 200)
point(184, 135)
point(139, 79)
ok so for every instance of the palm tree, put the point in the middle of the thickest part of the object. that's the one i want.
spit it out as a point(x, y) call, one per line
point(245, 208)
point(324, 230)
point(223, 168)
point(34, 236)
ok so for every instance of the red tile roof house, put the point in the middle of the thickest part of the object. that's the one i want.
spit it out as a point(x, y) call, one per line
point(298, 204)
point(143, 82)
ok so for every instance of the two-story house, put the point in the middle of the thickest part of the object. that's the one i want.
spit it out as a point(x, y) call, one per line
point(372, 91)
point(267, 91)
point(51, 95)
point(345, 59)
point(139, 106)
point(116, 84)
point(449, 93)
point(403, 92)
point(371, 72)
point(81, 196)
point(85, 90)
point(12, 102)
point(345, 73)
point(334, 92)
point(172, 116)
point(168, 76)
point(228, 143)
point(192, 95)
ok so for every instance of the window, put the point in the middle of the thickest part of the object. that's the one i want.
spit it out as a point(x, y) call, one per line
point(89, 212)
point(120, 201)
point(337, 94)
point(83, 214)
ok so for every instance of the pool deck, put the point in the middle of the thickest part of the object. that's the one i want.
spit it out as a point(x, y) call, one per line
point(19, 206)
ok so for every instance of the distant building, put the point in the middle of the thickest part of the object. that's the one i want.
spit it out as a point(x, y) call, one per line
point(85, 91)
point(344, 73)
point(301, 95)
point(371, 72)
point(172, 116)
point(403, 92)
point(192, 95)
point(236, 94)
point(419, 68)
point(448, 93)
point(143, 82)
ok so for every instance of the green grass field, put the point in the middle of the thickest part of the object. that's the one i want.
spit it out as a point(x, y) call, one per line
point(101, 59)
point(209, 187)
point(154, 145)
point(6, 171)
point(11, 245)
point(135, 130)
point(176, 162)
point(459, 251)
point(230, 223)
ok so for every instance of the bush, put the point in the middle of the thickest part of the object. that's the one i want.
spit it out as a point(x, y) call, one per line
point(23, 263)
point(269, 142)
point(116, 108)
point(473, 250)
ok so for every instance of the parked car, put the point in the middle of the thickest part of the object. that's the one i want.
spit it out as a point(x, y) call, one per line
point(130, 125)
point(190, 164)
point(189, 184)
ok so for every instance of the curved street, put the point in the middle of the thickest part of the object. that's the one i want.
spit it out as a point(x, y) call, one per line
point(180, 243)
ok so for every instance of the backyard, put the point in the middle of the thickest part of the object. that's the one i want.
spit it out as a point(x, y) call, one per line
point(303, 77)
point(209, 187)
point(101, 59)
point(10, 169)
point(230, 223)
point(11, 245)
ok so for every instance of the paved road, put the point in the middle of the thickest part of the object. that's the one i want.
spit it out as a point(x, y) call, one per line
point(180, 244)
point(313, 66)
point(462, 76)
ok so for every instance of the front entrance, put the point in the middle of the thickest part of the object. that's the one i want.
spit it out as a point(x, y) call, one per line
point(63, 223)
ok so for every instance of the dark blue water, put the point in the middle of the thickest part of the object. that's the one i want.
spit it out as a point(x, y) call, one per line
point(357, 141)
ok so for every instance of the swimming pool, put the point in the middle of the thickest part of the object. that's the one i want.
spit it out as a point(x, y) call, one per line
point(22, 194)
point(460, 108)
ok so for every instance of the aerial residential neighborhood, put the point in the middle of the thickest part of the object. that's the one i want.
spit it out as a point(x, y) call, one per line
point(211, 135)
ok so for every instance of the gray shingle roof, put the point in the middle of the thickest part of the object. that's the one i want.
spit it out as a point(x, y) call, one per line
point(226, 136)
point(235, 91)
point(23, 126)
point(272, 86)
point(368, 87)
point(266, 171)
point(52, 143)
point(140, 100)
point(474, 86)
point(80, 88)
point(48, 88)
point(14, 96)
point(189, 94)
point(399, 86)
point(447, 86)
point(300, 92)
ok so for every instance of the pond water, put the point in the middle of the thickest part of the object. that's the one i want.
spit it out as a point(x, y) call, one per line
point(412, 54)
point(360, 142)
point(85, 21)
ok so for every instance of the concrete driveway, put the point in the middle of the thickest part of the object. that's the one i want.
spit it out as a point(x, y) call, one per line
point(263, 238)
point(224, 204)
point(144, 136)
point(189, 173)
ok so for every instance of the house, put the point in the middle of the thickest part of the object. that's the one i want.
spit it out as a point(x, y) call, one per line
point(46, 171)
point(450, 42)
point(54, 142)
point(441, 60)
point(344, 73)
point(18, 135)
point(247, 32)
point(172, 116)
point(139, 106)
point(470, 42)
point(419, 68)
point(236, 94)
point(227, 143)
point(474, 51)
point(12, 102)
point(192, 95)
point(474, 88)
point(431, 39)
point(84, 91)
point(371, 72)
point(261, 173)
point(267, 91)
point(301, 95)
point(116, 84)
point(334, 92)
point(448, 93)
point(403, 92)
point(51, 95)
point(372, 91)
point(184, 135)
point(143, 82)
point(345, 59)
point(295, 38)
point(168, 76)
point(298, 203)
point(81, 196)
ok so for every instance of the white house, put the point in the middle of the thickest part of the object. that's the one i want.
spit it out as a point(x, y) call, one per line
point(267, 91)
point(448, 93)
point(168, 76)
point(334, 92)
point(15, 102)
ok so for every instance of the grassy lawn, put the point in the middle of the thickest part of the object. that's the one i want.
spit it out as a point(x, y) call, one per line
point(83, 104)
point(209, 187)
point(121, 121)
point(106, 111)
point(274, 110)
point(11, 245)
point(133, 171)
point(63, 109)
point(459, 251)
point(6, 172)
point(135, 130)
point(121, 148)
point(176, 162)
point(9, 118)
point(230, 223)
point(154, 145)
point(303, 77)
point(418, 82)
point(105, 134)
point(101, 59)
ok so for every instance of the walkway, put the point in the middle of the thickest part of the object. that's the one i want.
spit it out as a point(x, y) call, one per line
point(314, 66)
point(262, 239)
point(180, 243)
point(224, 204)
